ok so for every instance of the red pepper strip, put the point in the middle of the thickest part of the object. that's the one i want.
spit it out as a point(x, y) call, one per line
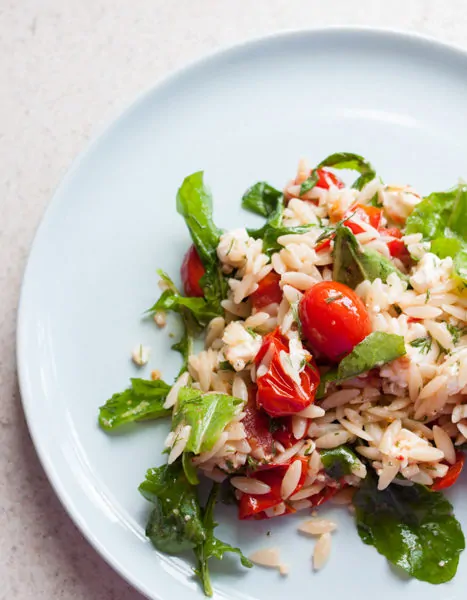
point(452, 475)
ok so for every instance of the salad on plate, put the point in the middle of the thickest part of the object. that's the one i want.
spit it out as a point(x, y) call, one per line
point(334, 369)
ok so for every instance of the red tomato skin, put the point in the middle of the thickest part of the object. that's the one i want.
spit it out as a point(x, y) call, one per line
point(334, 319)
point(284, 434)
point(278, 394)
point(324, 245)
point(191, 271)
point(256, 423)
point(268, 292)
point(368, 214)
point(327, 178)
point(396, 247)
point(251, 506)
point(452, 475)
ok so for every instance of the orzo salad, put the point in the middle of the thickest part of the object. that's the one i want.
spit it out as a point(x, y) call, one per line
point(334, 369)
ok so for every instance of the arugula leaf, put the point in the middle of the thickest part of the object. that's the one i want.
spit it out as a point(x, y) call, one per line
point(413, 527)
point(194, 203)
point(430, 217)
point(353, 264)
point(144, 400)
point(207, 414)
point(440, 218)
point(273, 228)
point(375, 350)
point(213, 547)
point(309, 183)
point(201, 310)
point(261, 199)
point(175, 523)
point(354, 162)
point(339, 461)
point(269, 233)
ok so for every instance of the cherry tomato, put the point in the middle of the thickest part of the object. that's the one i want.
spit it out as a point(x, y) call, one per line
point(334, 319)
point(396, 247)
point(256, 423)
point(368, 214)
point(452, 475)
point(283, 432)
point(253, 506)
point(268, 291)
point(327, 178)
point(324, 245)
point(324, 495)
point(278, 394)
point(191, 271)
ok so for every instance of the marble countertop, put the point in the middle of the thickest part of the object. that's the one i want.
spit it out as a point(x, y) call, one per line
point(67, 68)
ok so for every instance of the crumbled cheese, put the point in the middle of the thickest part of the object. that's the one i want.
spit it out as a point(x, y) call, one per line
point(233, 248)
point(140, 355)
point(399, 202)
point(430, 272)
point(240, 346)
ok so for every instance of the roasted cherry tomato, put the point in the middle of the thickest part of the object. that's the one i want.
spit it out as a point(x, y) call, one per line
point(334, 319)
point(278, 394)
point(324, 495)
point(368, 214)
point(257, 427)
point(283, 432)
point(396, 247)
point(191, 271)
point(452, 475)
point(253, 506)
point(268, 291)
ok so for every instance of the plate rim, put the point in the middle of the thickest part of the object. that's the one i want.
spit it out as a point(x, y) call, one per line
point(99, 135)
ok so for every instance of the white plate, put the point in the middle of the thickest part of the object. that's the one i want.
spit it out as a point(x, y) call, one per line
point(242, 115)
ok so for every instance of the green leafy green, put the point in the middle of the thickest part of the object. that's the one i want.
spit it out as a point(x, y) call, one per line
point(175, 523)
point(441, 218)
point(206, 414)
point(201, 310)
point(194, 203)
point(261, 199)
point(269, 233)
point(309, 183)
point(340, 461)
point(212, 547)
point(354, 162)
point(430, 217)
point(144, 400)
point(413, 527)
point(352, 264)
point(375, 350)
point(273, 228)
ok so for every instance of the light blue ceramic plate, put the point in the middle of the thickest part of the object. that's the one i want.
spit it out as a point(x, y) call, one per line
point(245, 114)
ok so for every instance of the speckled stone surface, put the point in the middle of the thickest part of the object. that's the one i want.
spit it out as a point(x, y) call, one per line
point(66, 68)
